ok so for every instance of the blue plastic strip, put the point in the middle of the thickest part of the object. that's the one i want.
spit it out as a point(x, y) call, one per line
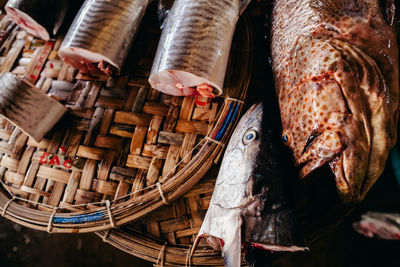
point(225, 123)
point(395, 159)
point(228, 121)
point(79, 219)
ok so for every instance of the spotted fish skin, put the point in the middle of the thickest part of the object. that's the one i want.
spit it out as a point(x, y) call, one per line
point(41, 18)
point(102, 34)
point(194, 46)
point(336, 72)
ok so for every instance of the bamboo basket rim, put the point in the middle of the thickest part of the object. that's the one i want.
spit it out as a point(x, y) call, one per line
point(114, 214)
point(164, 253)
point(161, 252)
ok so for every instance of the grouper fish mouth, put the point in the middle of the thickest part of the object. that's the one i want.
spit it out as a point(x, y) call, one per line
point(249, 205)
point(336, 70)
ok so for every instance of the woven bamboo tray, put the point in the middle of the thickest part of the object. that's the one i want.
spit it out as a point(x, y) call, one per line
point(123, 150)
point(166, 236)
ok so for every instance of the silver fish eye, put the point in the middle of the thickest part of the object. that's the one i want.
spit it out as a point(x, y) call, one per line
point(249, 136)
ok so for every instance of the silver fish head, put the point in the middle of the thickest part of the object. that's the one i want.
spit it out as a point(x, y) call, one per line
point(248, 205)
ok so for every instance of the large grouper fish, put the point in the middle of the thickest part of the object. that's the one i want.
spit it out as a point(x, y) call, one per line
point(250, 205)
point(335, 64)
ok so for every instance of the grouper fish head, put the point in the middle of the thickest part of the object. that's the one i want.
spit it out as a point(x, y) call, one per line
point(339, 93)
point(248, 206)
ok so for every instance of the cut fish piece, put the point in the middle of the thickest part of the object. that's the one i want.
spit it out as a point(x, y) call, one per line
point(101, 35)
point(42, 18)
point(194, 47)
point(27, 107)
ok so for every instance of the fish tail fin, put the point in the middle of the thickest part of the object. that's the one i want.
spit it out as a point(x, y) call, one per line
point(231, 249)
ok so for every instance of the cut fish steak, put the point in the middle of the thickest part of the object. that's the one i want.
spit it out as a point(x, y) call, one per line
point(101, 35)
point(193, 51)
point(42, 18)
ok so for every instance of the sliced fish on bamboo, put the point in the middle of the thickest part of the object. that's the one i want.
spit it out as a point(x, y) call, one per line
point(249, 204)
point(193, 51)
point(336, 67)
point(27, 107)
point(101, 35)
point(42, 18)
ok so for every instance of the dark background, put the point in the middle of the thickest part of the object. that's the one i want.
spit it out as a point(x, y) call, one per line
point(340, 247)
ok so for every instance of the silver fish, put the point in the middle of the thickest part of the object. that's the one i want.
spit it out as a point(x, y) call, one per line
point(194, 47)
point(101, 35)
point(249, 196)
point(41, 18)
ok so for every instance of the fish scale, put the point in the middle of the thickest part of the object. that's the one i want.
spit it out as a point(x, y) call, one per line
point(103, 31)
point(194, 45)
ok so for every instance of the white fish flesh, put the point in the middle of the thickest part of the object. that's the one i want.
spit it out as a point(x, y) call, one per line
point(41, 18)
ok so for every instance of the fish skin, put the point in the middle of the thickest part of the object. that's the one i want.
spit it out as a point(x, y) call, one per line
point(379, 225)
point(163, 9)
point(336, 72)
point(5, 31)
point(249, 204)
point(103, 31)
point(47, 13)
point(195, 45)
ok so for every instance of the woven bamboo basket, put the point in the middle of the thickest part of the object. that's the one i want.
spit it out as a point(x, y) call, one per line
point(166, 236)
point(124, 149)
